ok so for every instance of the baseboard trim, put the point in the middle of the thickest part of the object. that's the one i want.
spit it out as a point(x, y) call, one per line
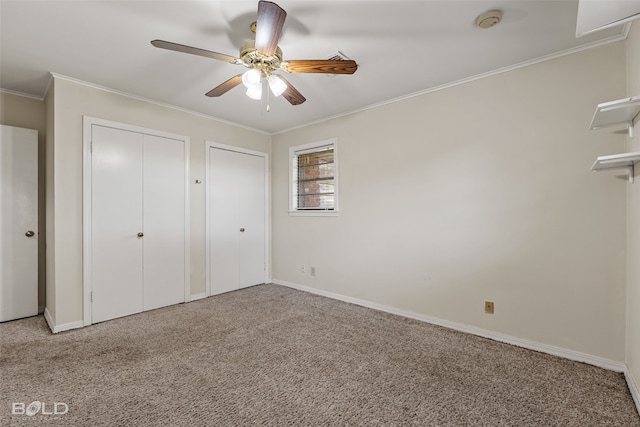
point(496, 336)
point(47, 317)
point(198, 296)
point(633, 387)
point(60, 328)
point(80, 324)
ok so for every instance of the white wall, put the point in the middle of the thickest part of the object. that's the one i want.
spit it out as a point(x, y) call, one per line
point(633, 219)
point(72, 100)
point(480, 191)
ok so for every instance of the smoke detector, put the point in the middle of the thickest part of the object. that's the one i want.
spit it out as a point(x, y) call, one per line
point(489, 19)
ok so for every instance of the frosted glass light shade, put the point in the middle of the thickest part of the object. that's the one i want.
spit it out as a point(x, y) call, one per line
point(277, 85)
point(251, 78)
point(255, 92)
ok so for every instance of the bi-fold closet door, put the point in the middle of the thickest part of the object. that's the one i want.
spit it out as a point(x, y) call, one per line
point(138, 236)
point(237, 206)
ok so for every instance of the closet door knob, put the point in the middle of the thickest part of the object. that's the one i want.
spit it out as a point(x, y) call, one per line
point(141, 234)
point(242, 230)
point(29, 233)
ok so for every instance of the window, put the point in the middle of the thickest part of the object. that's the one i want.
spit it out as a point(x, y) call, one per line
point(314, 179)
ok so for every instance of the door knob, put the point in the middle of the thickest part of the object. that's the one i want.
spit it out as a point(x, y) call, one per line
point(242, 230)
point(29, 233)
point(140, 234)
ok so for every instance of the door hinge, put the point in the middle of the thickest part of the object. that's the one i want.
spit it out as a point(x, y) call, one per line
point(91, 296)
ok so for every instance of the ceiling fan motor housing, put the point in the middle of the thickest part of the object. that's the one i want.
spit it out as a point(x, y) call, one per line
point(254, 59)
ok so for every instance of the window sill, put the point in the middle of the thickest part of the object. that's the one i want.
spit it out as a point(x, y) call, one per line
point(313, 213)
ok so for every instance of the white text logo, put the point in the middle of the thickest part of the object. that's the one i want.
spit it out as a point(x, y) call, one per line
point(35, 407)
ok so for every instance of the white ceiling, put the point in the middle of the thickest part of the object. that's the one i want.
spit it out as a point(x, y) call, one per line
point(401, 47)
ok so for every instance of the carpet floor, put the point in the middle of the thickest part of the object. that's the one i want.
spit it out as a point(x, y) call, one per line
point(270, 355)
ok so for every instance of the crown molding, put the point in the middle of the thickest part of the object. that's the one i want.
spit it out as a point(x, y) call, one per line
point(152, 101)
point(22, 94)
point(622, 36)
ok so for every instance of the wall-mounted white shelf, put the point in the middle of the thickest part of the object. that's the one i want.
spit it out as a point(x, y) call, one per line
point(617, 161)
point(598, 15)
point(616, 112)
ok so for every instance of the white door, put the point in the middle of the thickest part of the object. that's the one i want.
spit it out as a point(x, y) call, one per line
point(237, 201)
point(18, 223)
point(116, 220)
point(251, 214)
point(138, 234)
point(164, 222)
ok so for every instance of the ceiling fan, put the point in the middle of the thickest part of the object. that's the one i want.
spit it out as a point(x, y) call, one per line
point(263, 57)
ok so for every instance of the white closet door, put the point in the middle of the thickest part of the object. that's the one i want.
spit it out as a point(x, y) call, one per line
point(164, 221)
point(225, 228)
point(18, 223)
point(116, 206)
point(237, 220)
point(251, 203)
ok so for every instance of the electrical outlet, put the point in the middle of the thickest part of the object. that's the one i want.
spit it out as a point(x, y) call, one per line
point(488, 307)
point(312, 272)
point(303, 268)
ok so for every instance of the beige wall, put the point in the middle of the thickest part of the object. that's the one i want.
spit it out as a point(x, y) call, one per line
point(478, 192)
point(72, 101)
point(633, 217)
point(29, 113)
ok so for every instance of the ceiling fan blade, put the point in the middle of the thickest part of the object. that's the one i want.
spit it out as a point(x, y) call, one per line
point(323, 66)
point(269, 27)
point(223, 88)
point(195, 51)
point(291, 94)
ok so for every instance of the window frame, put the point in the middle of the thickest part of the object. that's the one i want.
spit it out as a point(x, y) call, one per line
point(312, 147)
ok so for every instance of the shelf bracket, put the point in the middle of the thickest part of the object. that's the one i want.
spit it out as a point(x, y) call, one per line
point(631, 172)
point(631, 129)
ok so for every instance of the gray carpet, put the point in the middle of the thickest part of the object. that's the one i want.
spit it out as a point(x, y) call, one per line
point(270, 355)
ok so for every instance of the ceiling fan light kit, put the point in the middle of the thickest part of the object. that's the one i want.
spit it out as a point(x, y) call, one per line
point(252, 80)
point(263, 57)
